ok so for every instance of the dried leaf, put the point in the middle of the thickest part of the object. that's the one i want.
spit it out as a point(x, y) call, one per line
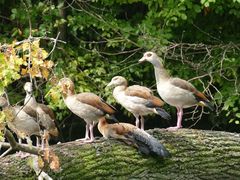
point(42, 54)
point(46, 154)
point(35, 72)
point(36, 43)
point(24, 71)
point(44, 72)
point(48, 64)
point(25, 46)
point(54, 164)
point(52, 159)
point(37, 61)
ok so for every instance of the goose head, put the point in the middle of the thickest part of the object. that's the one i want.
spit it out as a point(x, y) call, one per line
point(152, 58)
point(3, 102)
point(66, 86)
point(28, 87)
point(117, 81)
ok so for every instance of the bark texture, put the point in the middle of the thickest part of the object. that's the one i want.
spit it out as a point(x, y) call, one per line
point(196, 154)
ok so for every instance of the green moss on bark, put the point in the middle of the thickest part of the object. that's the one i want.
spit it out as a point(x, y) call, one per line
point(196, 154)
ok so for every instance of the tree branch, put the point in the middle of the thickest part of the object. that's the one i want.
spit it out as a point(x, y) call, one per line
point(195, 154)
point(21, 147)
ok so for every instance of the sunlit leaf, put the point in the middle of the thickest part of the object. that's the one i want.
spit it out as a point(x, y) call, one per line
point(36, 43)
point(35, 72)
point(25, 46)
point(40, 162)
point(238, 115)
point(24, 71)
point(45, 72)
point(48, 64)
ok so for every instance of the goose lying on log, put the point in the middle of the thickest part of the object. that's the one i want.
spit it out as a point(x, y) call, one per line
point(138, 100)
point(175, 91)
point(87, 106)
point(132, 135)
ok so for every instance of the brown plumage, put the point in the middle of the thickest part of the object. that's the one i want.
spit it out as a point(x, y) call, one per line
point(175, 91)
point(87, 106)
point(95, 101)
point(47, 119)
point(189, 87)
point(130, 134)
point(138, 100)
point(21, 120)
point(143, 92)
point(45, 115)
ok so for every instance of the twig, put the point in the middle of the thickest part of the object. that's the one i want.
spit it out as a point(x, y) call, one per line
point(6, 152)
point(16, 146)
point(4, 145)
point(32, 39)
point(54, 46)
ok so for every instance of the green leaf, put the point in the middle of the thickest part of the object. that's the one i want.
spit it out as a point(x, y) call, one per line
point(238, 115)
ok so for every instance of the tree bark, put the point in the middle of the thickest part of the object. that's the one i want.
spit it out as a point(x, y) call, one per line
point(196, 154)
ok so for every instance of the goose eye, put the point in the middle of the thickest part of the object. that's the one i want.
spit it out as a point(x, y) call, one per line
point(149, 55)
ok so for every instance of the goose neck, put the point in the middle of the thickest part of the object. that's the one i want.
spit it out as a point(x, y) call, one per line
point(161, 74)
point(30, 99)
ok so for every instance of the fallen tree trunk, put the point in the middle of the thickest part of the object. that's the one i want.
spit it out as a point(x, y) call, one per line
point(196, 154)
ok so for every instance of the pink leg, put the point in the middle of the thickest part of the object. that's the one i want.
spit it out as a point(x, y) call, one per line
point(91, 133)
point(137, 121)
point(37, 142)
point(19, 141)
point(179, 120)
point(86, 133)
point(142, 123)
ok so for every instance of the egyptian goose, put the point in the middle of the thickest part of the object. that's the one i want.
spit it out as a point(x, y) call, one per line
point(22, 121)
point(87, 106)
point(45, 115)
point(130, 134)
point(175, 91)
point(138, 100)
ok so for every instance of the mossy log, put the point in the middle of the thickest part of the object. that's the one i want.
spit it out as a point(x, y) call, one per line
point(196, 154)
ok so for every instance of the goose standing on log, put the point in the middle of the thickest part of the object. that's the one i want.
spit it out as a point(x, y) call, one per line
point(175, 91)
point(87, 106)
point(22, 121)
point(45, 115)
point(138, 100)
point(132, 135)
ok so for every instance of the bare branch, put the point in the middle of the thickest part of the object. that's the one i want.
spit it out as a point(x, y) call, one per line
point(24, 148)
point(54, 46)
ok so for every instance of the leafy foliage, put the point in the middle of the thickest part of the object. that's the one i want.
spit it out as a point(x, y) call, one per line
point(106, 38)
point(17, 60)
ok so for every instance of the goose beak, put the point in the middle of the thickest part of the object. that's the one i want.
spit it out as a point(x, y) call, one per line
point(143, 59)
point(110, 84)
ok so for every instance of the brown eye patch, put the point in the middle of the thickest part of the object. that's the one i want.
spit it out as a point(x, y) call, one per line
point(149, 55)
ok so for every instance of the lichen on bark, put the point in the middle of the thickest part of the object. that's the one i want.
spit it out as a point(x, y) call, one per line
point(196, 154)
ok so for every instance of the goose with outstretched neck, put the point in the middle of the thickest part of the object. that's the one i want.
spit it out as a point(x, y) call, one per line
point(175, 91)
